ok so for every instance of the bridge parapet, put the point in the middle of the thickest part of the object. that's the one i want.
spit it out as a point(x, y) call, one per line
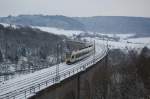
point(31, 89)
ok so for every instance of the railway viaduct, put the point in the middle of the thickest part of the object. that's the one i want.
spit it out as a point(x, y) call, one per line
point(80, 86)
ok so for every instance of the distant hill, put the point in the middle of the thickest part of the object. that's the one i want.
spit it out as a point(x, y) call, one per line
point(105, 24)
point(48, 21)
point(117, 24)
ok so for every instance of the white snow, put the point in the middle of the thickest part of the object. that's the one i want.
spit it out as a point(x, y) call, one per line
point(125, 41)
point(120, 35)
point(128, 44)
point(125, 36)
point(143, 40)
point(8, 25)
point(5, 24)
point(58, 31)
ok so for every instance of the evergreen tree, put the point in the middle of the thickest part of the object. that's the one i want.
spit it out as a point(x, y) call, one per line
point(23, 52)
point(1, 56)
point(42, 53)
point(16, 59)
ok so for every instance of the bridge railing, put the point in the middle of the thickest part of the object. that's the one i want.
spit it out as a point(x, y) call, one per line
point(26, 91)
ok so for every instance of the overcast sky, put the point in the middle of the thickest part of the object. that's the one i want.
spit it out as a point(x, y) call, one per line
point(76, 7)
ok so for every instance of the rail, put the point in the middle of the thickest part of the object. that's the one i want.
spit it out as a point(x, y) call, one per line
point(26, 91)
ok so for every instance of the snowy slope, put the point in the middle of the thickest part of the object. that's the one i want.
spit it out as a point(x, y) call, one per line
point(53, 30)
point(58, 31)
point(7, 25)
point(125, 40)
point(127, 44)
point(121, 36)
point(144, 40)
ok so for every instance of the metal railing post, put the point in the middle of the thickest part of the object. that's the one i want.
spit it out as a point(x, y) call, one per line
point(57, 66)
point(39, 86)
point(13, 97)
point(25, 94)
point(46, 83)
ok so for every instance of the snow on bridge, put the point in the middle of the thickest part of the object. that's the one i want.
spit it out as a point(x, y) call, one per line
point(27, 85)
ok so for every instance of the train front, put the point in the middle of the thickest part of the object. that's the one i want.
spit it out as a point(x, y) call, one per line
point(68, 58)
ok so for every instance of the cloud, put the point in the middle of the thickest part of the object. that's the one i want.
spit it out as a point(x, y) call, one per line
point(76, 7)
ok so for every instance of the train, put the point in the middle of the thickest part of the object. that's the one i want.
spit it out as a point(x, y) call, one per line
point(78, 55)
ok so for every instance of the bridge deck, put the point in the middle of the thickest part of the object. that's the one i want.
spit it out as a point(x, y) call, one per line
point(27, 85)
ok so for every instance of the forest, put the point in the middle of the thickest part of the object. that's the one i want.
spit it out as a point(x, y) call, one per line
point(26, 49)
point(126, 76)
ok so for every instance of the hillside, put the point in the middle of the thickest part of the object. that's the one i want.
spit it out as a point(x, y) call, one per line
point(106, 24)
point(47, 21)
point(117, 24)
point(26, 42)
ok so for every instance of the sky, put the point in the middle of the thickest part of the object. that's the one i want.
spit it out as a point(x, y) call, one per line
point(74, 8)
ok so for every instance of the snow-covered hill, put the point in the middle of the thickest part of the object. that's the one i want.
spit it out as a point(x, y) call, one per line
point(58, 31)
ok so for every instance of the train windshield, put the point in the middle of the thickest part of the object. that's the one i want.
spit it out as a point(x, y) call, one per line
point(68, 55)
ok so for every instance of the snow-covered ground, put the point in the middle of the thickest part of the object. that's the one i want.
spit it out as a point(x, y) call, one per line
point(125, 44)
point(120, 35)
point(123, 36)
point(58, 31)
point(144, 40)
point(7, 25)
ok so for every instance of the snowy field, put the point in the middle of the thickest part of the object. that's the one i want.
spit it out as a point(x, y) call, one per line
point(144, 40)
point(120, 35)
point(58, 31)
point(125, 45)
point(7, 25)
point(125, 41)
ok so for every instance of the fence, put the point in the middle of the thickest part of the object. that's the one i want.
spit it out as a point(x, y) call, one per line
point(28, 91)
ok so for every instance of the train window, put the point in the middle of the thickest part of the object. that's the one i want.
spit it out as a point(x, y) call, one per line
point(72, 57)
